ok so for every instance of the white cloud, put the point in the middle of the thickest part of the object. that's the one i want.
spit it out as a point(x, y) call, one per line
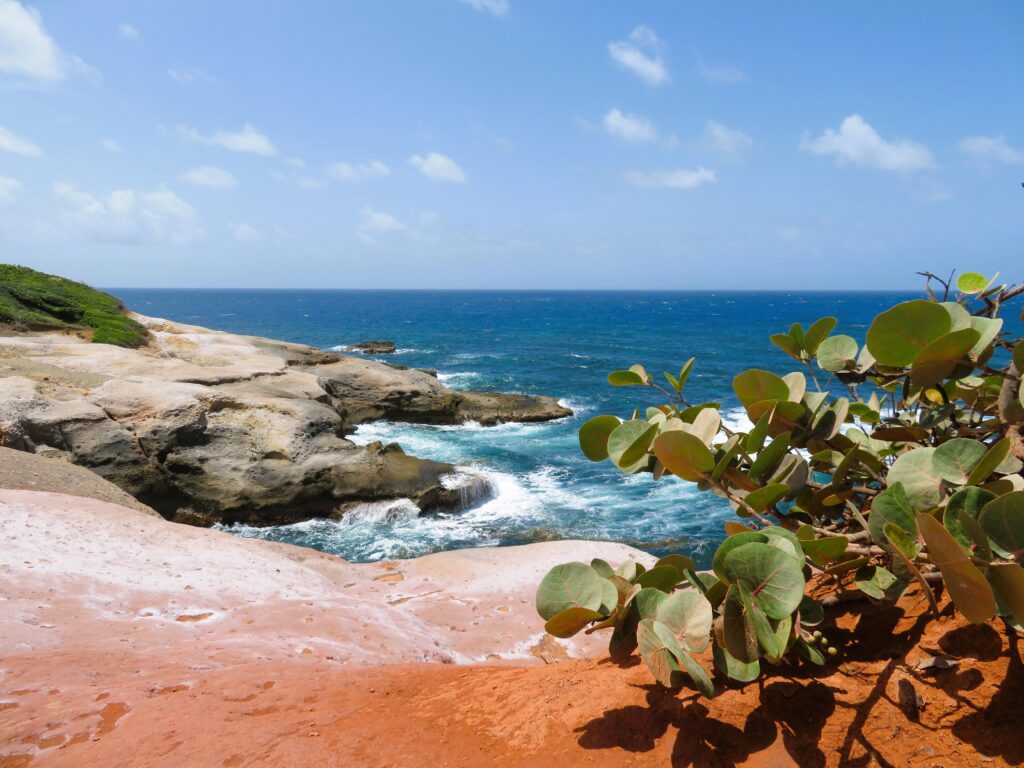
point(27, 52)
point(439, 167)
point(498, 7)
point(210, 176)
point(8, 188)
point(358, 172)
point(725, 141)
point(991, 148)
point(9, 142)
point(858, 143)
point(243, 233)
point(680, 178)
point(128, 32)
point(110, 145)
point(789, 233)
point(627, 127)
point(127, 215)
point(721, 74)
point(373, 223)
point(641, 55)
point(190, 75)
point(246, 140)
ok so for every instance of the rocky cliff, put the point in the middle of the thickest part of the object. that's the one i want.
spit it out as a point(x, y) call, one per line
point(208, 426)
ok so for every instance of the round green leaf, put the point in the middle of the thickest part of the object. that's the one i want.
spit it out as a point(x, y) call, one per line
point(733, 668)
point(899, 334)
point(1018, 356)
point(754, 385)
point(817, 332)
point(681, 563)
point(1008, 581)
point(837, 352)
point(992, 461)
point(972, 282)
point(970, 501)
point(879, 583)
point(648, 601)
point(570, 621)
point(1002, 519)
point(663, 577)
point(571, 585)
point(687, 614)
point(971, 594)
point(914, 470)
point(628, 444)
point(890, 506)
point(774, 578)
point(625, 379)
point(684, 455)
point(657, 656)
point(736, 540)
point(955, 459)
point(941, 357)
point(594, 436)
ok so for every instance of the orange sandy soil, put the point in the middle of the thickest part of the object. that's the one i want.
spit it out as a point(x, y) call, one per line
point(873, 708)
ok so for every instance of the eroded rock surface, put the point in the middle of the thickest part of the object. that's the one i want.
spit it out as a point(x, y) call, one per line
point(208, 426)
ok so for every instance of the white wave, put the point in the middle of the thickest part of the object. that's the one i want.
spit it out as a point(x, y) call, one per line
point(458, 379)
point(737, 420)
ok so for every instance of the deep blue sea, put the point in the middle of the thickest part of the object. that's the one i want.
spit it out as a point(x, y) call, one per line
point(556, 343)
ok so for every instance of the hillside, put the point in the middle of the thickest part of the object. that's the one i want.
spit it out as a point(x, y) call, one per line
point(31, 300)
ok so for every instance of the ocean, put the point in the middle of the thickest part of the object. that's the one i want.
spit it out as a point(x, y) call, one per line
point(561, 344)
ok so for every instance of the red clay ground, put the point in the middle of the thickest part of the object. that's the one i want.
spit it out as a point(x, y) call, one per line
point(874, 708)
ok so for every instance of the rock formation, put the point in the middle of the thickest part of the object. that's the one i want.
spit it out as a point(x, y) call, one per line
point(208, 426)
point(372, 347)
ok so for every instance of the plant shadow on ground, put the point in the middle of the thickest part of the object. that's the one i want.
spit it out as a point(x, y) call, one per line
point(874, 682)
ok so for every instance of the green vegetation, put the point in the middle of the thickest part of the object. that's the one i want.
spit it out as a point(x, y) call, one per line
point(31, 300)
point(911, 476)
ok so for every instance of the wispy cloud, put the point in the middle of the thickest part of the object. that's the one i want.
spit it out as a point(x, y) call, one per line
point(631, 128)
point(244, 233)
point(991, 148)
point(110, 145)
point(10, 142)
point(246, 140)
point(725, 141)
point(856, 142)
point(352, 173)
point(189, 75)
point(680, 178)
point(439, 167)
point(127, 215)
point(373, 223)
point(720, 74)
point(28, 55)
point(8, 188)
point(128, 32)
point(210, 176)
point(641, 55)
point(498, 7)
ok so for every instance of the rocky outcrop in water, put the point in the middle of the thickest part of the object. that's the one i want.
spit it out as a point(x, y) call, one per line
point(372, 347)
point(211, 427)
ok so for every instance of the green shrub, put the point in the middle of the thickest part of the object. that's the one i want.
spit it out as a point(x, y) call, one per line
point(32, 300)
point(912, 474)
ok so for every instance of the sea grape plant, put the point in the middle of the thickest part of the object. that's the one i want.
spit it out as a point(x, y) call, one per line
point(904, 468)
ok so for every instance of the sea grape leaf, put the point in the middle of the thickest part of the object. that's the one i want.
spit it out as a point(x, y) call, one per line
point(684, 455)
point(738, 629)
point(879, 583)
point(968, 501)
point(955, 459)
point(990, 462)
point(818, 332)
point(570, 585)
point(774, 578)
point(971, 594)
point(657, 656)
point(733, 668)
point(663, 577)
point(1008, 581)
point(890, 506)
point(688, 616)
point(897, 335)
point(915, 471)
point(941, 357)
point(755, 385)
point(570, 621)
point(1003, 522)
point(594, 436)
point(837, 352)
point(628, 444)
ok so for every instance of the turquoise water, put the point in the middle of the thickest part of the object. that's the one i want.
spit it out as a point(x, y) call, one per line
point(556, 343)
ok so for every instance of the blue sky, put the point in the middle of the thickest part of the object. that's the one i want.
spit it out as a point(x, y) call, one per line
point(511, 144)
